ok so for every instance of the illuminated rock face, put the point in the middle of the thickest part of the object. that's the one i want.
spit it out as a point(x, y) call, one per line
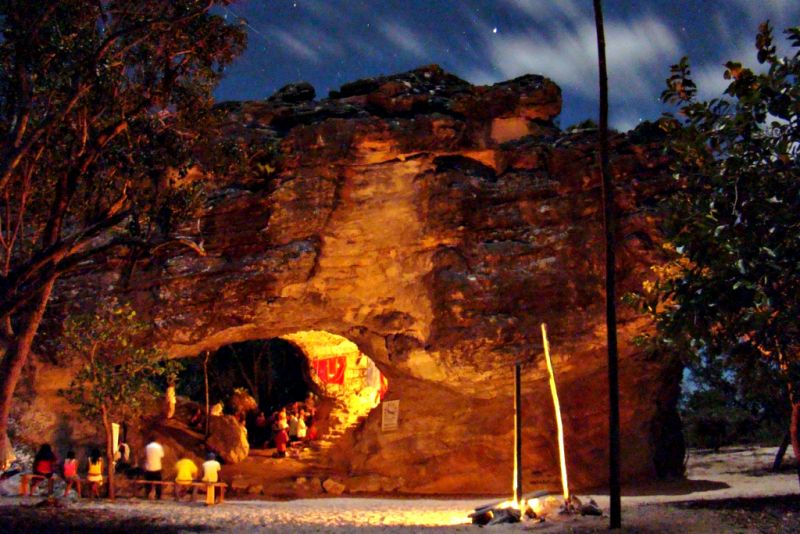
point(436, 225)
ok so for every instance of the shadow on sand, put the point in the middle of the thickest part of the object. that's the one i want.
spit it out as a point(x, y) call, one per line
point(665, 487)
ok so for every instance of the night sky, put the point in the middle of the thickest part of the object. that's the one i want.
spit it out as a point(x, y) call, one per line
point(331, 42)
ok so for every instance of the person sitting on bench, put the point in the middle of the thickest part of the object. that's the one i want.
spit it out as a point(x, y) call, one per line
point(95, 473)
point(211, 468)
point(44, 465)
point(186, 473)
point(71, 474)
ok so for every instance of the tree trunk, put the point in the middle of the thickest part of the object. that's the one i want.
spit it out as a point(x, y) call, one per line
point(615, 504)
point(109, 453)
point(776, 464)
point(13, 362)
point(793, 435)
point(208, 407)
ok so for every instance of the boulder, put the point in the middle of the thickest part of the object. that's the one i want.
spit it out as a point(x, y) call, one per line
point(228, 438)
point(255, 489)
point(372, 484)
point(333, 487)
point(294, 93)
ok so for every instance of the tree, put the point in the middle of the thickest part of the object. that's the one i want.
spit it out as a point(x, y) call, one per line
point(101, 106)
point(733, 222)
point(615, 516)
point(116, 377)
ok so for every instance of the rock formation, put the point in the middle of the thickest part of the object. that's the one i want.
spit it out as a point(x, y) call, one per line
point(435, 224)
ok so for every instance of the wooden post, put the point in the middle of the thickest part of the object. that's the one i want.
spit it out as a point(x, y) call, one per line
point(562, 455)
point(208, 408)
point(517, 433)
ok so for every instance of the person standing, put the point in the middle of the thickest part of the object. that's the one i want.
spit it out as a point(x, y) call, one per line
point(292, 429)
point(281, 440)
point(302, 428)
point(154, 453)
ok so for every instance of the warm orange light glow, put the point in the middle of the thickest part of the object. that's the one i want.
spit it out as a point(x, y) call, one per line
point(561, 454)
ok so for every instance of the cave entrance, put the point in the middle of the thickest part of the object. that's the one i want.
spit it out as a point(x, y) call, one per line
point(348, 380)
point(274, 372)
point(325, 374)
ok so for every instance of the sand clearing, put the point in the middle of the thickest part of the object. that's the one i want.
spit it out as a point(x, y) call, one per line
point(730, 491)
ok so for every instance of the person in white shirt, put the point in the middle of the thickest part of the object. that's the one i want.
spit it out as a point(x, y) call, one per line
point(302, 429)
point(211, 468)
point(154, 453)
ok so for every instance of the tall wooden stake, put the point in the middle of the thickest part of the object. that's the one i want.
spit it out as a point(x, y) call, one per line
point(615, 511)
point(562, 455)
point(517, 433)
point(208, 408)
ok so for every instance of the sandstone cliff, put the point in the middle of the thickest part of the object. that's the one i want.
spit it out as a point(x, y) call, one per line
point(435, 224)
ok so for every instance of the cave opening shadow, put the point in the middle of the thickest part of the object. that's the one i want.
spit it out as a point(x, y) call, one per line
point(275, 372)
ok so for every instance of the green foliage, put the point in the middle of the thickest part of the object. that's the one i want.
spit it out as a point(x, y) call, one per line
point(118, 374)
point(103, 109)
point(729, 297)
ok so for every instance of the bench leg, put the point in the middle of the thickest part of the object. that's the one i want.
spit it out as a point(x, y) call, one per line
point(23, 485)
point(222, 494)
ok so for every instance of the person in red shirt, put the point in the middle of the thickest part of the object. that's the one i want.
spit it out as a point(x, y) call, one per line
point(71, 474)
point(281, 439)
point(44, 465)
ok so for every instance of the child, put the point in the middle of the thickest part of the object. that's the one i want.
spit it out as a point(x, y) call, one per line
point(95, 474)
point(71, 474)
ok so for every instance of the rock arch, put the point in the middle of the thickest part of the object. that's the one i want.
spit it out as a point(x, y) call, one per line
point(440, 269)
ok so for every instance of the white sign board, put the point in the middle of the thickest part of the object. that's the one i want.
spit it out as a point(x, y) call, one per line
point(391, 415)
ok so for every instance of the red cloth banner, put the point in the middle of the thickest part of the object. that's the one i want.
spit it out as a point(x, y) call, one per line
point(331, 370)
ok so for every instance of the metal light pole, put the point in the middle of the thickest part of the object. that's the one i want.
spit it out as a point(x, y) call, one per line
point(517, 434)
point(615, 508)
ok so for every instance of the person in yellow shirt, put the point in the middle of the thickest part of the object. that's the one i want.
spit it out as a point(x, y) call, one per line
point(186, 472)
point(95, 473)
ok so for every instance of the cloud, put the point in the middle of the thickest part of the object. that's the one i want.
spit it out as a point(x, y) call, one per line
point(404, 39)
point(634, 50)
point(296, 46)
point(546, 11)
point(759, 11)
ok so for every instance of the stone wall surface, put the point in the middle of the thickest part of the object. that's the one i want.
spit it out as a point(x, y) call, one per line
point(435, 224)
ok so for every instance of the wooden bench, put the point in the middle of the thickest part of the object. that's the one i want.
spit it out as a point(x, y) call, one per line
point(209, 487)
point(210, 491)
point(28, 481)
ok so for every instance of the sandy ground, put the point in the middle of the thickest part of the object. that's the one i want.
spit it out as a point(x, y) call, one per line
point(732, 491)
